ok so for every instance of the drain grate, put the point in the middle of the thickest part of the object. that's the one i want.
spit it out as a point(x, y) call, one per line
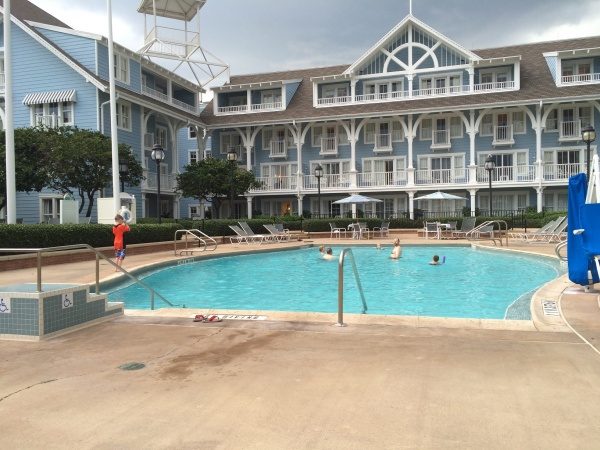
point(550, 308)
point(132, 366)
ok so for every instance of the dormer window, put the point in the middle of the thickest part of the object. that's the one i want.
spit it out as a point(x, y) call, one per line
point(121, 68)
point(576, 70)
point(270, 97)
point(335, 90)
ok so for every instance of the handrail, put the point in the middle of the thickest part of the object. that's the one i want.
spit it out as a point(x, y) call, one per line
point(40, 251)
point(558, 248)
point(194, 233)
point(347, 251)
point(470, 235)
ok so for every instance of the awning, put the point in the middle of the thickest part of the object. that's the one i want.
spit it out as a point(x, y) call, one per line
point(37, 98)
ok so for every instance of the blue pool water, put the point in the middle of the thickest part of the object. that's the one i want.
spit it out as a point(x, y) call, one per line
point(472, 283)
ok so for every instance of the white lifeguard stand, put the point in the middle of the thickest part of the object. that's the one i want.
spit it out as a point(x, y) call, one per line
point(172, 32)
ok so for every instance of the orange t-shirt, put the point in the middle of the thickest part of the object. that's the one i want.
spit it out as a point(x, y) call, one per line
point(118, 231)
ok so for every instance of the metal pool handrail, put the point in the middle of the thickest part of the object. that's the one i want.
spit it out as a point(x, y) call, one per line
point(347, 251)
point(197, 235)
point(40, 251)
point(558, 248)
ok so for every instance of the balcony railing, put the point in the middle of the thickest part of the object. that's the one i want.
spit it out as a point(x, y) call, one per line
point(580, 79)
point(233, 109)
point(439, 91)
point(278, 149)
point(493, 87)
point(382, 179)
point(507, 174)
point(256, 107)
point(334, 100)
point(47, 120)
point(569, 131)
point(154, 93)
point(562, 172)
point(442, 176)
point(329, 146)
point(503, 135)
point(394, 95)
point(440, 139)
point(277, 183)
point(184, 105)
point(383, 143)
point(273, 106)
point(331, 181)
point(168, 182)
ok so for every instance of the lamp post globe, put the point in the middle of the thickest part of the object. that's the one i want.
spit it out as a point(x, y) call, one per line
point(158, 155)
point(319, 175)
point(490, 165)
point(588, 135)
point(232, 157)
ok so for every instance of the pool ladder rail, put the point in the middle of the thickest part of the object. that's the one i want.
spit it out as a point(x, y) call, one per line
point(476, 234)
point(205, 242)
point(348, 251)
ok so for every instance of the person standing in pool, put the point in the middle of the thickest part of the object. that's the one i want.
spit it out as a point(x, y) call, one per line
point(328, 254)
point(119, 229)
point(397, 250)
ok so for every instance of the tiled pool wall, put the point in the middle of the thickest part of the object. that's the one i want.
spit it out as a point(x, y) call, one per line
point(38, 315)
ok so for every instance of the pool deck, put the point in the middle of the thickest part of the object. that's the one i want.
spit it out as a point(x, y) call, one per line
point(302, 383)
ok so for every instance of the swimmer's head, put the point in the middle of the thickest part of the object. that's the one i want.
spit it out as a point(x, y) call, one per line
point(322, 249)
point(397, 241)
point(329, 251)
point(436, 258)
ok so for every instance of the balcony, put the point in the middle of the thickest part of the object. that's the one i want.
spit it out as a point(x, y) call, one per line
point(48, 120)
point(168, 182)
point(562, 172)
point(278, 149)
point(567, 80)
point(334, 100)
point(394, 95)
point(440, 91)
point(440, 139)
point(330, 181)
point(383, 143)
point(167, 41)
point(255, 107)
point(329, 146)
point(158, 95)
point(507, 174)
point(500, 86)
point(382, 179)
point(273, 106)
point(503, 135)
point(569, 131)
point(277, 183)
point(442, 176)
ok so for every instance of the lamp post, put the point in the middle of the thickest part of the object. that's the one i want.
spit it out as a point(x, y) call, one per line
point(158, 154)
point(319, 175)
point(123, 168)
point(232, 157)
point(588, 135)
point(490, 165)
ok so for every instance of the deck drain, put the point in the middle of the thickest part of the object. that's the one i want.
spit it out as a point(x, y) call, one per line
point(550, 308)
point(132, 366)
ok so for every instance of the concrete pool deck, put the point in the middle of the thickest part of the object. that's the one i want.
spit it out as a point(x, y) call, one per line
point(301, 383)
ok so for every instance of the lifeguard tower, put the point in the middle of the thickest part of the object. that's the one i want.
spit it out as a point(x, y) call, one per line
point(172, 32)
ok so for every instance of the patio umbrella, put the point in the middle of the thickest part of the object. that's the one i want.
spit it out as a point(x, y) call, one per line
point(440, 196)
point(356, 198)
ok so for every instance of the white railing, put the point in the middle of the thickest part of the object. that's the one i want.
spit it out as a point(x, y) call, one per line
point(278, 149)
point(184, 105)
point(334, 100)
point(154, 93)
point(440, 91)
point(493, 87)
point(233, 109)
point(507, 174)
point(327, 181)
point(380, 96)
point(168, 181)
point(570, 130)
point(440, 139)
point(561, 172)
point(49, 120)
point(503, 134)
point(170, 35)
point(577, 79)
point(283, 183)
point(329, 146)
point(383, 142)
point(382, 179)
point(442, 176)
point(267, 106)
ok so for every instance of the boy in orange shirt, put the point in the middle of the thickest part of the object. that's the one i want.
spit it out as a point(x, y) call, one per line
point(118, 230)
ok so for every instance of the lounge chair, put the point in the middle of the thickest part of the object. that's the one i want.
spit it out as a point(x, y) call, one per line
point(249, 232)
point(467, 225)
point(242, 236)
point(530, 235)
point(431, 228)
point(277, 235)
point(553, 234)
point(384, 229)
point(336, 231)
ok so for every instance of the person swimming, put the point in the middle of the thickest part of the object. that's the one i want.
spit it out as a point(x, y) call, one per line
point(397, 250)
point(328, 255)
point(435, 261)
point(322, 250)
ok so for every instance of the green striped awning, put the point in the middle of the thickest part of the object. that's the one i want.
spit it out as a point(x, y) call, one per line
point(37, 98)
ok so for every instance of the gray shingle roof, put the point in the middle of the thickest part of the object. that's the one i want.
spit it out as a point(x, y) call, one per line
point(536, 84)
point(25, 10)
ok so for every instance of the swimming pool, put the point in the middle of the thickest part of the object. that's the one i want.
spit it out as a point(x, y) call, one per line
point(472, 284)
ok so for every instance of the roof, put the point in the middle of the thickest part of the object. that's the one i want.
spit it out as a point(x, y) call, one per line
point(25, 10)
point(172, 9)
point(536, 84)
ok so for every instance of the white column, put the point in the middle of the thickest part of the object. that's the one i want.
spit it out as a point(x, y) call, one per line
point(113, 114)
point(409, 79)
point(472, 161)
point(11, 180)
point(299, 174)
point(518, 75)
point(471, 71)
point(300, 204)
point(315, 93)
point(539, 161)
point(249, 201)
point(249, 157)
point(411, 204)
point(540, 198)
point(473, 193)
point(249, 100)
point(353, 89)
point(353, 138)
point(410, 170)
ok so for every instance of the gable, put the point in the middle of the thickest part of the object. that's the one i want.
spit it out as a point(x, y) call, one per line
point(410, 47)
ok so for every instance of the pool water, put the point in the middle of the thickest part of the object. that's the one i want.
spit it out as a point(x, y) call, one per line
point(471, 284)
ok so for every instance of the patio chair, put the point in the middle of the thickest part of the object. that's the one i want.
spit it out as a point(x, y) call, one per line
point(531, 235)
point(467, 225)
point(277, 235)
point(250, 233)
point(431, 228)
point(363, 230)
point(336, 230)
point(553, 234)
point(384, 229)
point(242, 236)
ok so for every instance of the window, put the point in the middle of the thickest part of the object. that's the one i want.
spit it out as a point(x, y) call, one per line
point(585, 115)
point(124, 116)
point(518, 120)
point(576, 70)
point(52, 114)
point(272, 96)
point(335, 90)
point(122, 68)
point(370, 133)
point(192, 156)
point(194, 211)
point(442, 84)
point(231, 140)
point(456, 128)
point(192, 133)
point(552, 121)
point(160, 136)
point(278, 134)
point(49, 208)
point(425, 129)
point(500, 76)
point(329, 131)
point(487, 125)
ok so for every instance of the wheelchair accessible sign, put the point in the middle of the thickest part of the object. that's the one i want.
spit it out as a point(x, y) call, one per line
point(4, 305)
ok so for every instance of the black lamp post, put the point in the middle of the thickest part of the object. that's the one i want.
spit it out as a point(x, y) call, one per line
point(158, 155)
point(232, 157)
point(319, 175)
point(123, 168)
point(588, 135)
point(490, 165)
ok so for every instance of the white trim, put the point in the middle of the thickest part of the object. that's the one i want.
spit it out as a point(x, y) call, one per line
point(189, 155)
point(120, 58)
point(55, 197)
point(121, 103)
point(259, 84)
point(64, 30)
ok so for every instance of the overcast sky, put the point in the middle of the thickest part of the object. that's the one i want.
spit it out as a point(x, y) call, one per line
point(268, 35)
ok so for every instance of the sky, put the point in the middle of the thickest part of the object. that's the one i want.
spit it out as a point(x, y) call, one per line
point(271, 35)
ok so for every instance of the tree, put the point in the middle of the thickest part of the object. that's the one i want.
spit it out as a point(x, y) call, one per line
point(81, 161)
point(210, 180)
point(32, 149)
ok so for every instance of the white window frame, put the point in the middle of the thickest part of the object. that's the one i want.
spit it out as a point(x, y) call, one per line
point(288, 138)
point(339, 132)
point(377, 124)
point(55, 198)
point(269, 168)
point(223, 148)
point(161, 136)
point(388, 83)
point(495, 73)
point(446, 76)
point(46, 112)
point(335, 88)
point(122, 68)
point(433, 119)
point(192, 130)
point(484, 204)
point(276, 94)
point(482, 155)
point(552, 130)
point(191, 152)
point(120, 125)
point(510, 113)
point(452, 156)
point(575, 107)
point(575, 63)
point(398, 161)
point(567, 148)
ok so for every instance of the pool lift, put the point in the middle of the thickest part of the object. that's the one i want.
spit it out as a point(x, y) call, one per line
point(583, 242)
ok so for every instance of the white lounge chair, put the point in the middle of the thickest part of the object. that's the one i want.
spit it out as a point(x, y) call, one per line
point(242, 236)
point(277, 235)
point(249, 232)
point(336, 231)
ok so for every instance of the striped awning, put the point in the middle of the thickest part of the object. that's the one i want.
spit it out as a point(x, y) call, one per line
point(37, 98)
